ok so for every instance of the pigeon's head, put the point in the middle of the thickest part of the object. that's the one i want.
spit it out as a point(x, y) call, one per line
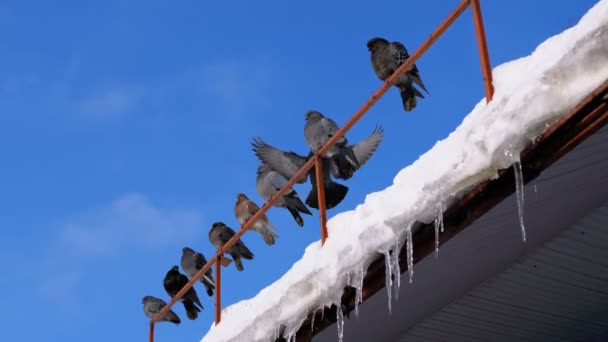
point(375, 43)
point(175, 268)
point(187, 250)
point(217, 225)
point(313, 115)
point(145, 299)
point(242, 197)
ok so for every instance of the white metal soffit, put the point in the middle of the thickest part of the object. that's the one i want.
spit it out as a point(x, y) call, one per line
point(553, 287)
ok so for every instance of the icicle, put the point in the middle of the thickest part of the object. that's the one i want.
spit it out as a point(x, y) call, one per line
point(438, 226)
point(410, 253)
point(389, 278)
point(340, 322)
point(359, 295)
point(312, 321)
point(396, 268)
point(519, 188)
point(322, 313)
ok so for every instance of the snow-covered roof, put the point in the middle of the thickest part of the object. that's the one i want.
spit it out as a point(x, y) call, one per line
point(530, 94)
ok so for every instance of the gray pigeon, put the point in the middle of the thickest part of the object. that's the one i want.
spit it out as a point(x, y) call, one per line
point(269, 182)
point(220, 234)
point(192, 262)
point(386, 57)
point(286, 164)
point(363, 151)
point(152, 307)
point(173, 283)
point(319, 129)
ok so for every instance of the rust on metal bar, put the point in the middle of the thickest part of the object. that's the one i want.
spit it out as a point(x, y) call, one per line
point(321, 198)
point(586, 118)
point(218, 292)
point(482, 44)
point(151, 333)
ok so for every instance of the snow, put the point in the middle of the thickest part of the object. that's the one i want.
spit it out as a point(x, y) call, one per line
point(530, 94)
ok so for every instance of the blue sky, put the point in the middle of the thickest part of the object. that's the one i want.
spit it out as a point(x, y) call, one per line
point(125, 132)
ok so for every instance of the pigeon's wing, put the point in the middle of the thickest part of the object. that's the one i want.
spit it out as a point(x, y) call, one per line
point(365, 149)
point(226, 234)
point(285, 163)
point(199, 260)
point(400, 55)
point(329, 126)
point(252, 208)
point(275, 180)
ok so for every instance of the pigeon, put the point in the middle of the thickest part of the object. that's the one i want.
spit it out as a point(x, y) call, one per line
point(319, 129)
point(244, 209)
point(192, 262)
point(286, 164)
point(152, 307)
point(386, 57)
point(220, 234)
point(173, 283)
point(363, 151)
point(269, 182)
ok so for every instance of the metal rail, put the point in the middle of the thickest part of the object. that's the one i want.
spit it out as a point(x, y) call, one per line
point(316, 160)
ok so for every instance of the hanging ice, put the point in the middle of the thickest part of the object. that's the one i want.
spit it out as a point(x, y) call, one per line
point(410, 253)
point(389, 278)
point(312, 321)
point(438, 226)
point(519, 192)
point(340, 322)
point(396, 267)
point(359, 294)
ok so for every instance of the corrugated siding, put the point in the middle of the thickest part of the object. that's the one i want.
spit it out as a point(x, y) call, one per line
point(557, 293)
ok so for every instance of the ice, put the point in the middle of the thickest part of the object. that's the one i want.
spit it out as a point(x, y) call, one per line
point(410, 253)
point(396, 267)
point(519, 192)
point(438, 226)
point(340, 322)
point(389, 278)
point(359, 290)
point(312, 321)
point(530, 93)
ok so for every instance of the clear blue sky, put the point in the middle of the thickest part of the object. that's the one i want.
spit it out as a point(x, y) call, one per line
point(125, 131)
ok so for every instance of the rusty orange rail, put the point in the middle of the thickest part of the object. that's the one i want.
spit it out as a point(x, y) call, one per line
point(316, 161)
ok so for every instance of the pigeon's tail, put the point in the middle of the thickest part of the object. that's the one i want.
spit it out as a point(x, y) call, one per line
point(296, 215)
point(238, 263)
point(269, 236)
point(243, 251)
point(408, 97)
point(414, 76)
point(191, 309)
point(294, 201)
point(172, 317)
point(334, 194)
point(209, 288)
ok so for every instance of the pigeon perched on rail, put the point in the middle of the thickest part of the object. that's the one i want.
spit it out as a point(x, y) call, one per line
point(269, 182)
point(386, 57)
point(244, 209)
point(319, 129)
point(363, 150)
point(286, 164)
point(220, 234)
point(174, 281)
point(152, 307)
point(192, 262)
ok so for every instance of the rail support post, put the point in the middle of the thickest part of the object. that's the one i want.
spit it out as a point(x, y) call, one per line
point(482, 44)
point(321, 197)
point(151, 333)
point(218, 287)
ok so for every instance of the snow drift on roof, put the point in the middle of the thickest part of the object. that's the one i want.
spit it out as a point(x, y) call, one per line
point(530, 94)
